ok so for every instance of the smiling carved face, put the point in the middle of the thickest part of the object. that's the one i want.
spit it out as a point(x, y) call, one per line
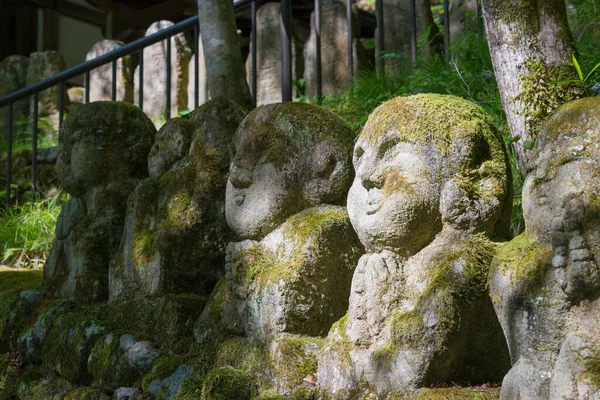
point(394, 201)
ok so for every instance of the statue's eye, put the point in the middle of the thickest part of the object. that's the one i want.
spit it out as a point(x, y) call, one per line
point(358, 153)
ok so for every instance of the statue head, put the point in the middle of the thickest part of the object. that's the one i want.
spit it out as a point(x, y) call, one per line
point(103, 143)
point(423, 162)
point(286, 157)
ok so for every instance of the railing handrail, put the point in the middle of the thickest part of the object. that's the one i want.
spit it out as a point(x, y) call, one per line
point(88, 66)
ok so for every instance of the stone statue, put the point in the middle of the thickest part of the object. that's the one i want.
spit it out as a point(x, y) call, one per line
point(432, 187)
point(175, 231)
point(545, 283)
point(291, 270)
point(101, 159)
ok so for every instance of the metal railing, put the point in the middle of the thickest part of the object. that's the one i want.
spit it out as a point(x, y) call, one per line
point(192, 24)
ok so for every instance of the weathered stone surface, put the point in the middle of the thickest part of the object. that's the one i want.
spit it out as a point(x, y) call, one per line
point(175, 230)
point(13, 75)
point(101, 78)
point(431, 186)
point(545, 283)
point(397, 31)
point(292, 273)
point(155, 75)
point(203, 95)
point(268, 56)
point(102, 157)
point(116, 362)
point(43, 65)
point(463, 15)
point(334, 50)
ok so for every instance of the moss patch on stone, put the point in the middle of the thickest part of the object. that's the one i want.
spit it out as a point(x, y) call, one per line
point(287, 129)
point(539, 97)
point(227, 383)
point(522, 259)
point(455, 393)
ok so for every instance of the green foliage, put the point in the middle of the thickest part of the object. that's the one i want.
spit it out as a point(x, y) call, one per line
point(27, 232)
point(23, 135)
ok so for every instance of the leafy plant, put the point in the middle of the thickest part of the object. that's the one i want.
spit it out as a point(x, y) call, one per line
point(27, 232)
point(584, 81)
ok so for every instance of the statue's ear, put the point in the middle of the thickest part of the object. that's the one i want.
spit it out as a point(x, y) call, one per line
point(330, 174)
point(473, 202)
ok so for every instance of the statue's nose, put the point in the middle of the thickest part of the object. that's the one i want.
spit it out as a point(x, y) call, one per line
point(373, 181)
point(240, 177)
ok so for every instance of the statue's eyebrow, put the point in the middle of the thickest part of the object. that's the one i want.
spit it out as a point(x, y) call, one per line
point(387, 145)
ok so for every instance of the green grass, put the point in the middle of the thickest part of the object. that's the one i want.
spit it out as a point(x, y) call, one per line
point(27, 232)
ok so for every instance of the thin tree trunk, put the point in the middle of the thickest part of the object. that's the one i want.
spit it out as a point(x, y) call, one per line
point(531, 45)
point(225, 70)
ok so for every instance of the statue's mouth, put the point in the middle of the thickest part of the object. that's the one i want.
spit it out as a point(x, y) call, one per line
point(373, 207)
point(239, 199)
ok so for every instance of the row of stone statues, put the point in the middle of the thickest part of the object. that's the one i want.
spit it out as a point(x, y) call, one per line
point(414, 284)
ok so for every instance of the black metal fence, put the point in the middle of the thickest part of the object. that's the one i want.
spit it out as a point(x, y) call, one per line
point(192, 24)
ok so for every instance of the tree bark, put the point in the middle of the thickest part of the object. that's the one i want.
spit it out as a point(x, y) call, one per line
point(225, 70)
point(531, 45)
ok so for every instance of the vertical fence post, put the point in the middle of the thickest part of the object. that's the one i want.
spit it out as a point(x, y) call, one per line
point(379, 62)
point(286, 50)
point(446, 33)
point(9, 141)
point(61, 104)
point(35, 142)
point(318, 50)
point(197, 65)
point(413, 31)
point(141, 82)
point(350, 40)
point(87, 87)
point(114, 80)
point(168, 103)
point(479, 18)
point(254, 51)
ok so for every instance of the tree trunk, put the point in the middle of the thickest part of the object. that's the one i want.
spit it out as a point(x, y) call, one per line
point(531, 45)
point(225, 70)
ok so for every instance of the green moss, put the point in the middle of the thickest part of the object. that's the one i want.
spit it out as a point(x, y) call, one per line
point(163, 368)
point(296, 358)
point(87, 393)
point(13, 282)
point(69, 343)
point(539, 98)
point(591, 364)
point(342, 345)
point(227, 383)
point(454, 393)
point(429, 118)
point(292, 129)
point(457, 279)
point(522, 259)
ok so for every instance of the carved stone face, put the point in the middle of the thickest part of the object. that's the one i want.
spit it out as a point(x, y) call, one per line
point(261, 193)
point(287, 157)
point(394, 201)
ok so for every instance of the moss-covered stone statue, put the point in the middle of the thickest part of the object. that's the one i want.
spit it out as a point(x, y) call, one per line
point(432, 187)
point(545, 283)
point(175, 230)
point(101, 159)
point(290, 272)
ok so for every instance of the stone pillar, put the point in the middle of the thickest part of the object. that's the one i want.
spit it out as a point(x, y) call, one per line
point(334, 50)
point(203, 95)
point(43, 65)
point(101, 78)
point(13, 76)
point(155, 75)
point(397, 31)
point(268, 57)
point(463, 15)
